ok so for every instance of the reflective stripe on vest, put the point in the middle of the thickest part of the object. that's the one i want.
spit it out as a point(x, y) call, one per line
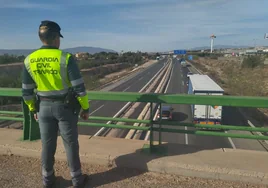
point(48, 68)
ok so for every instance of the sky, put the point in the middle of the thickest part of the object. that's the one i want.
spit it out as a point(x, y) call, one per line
point(132, 25)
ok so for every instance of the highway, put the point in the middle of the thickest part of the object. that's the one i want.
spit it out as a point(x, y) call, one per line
point(110, 108)
point(182, 113)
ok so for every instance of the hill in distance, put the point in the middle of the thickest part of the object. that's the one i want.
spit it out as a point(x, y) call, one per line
point(25, 52)
point(219, 47)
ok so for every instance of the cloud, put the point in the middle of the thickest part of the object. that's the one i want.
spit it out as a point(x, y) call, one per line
point(208, 2)
point(21, 4)
point(120, 2)
point(152, 25)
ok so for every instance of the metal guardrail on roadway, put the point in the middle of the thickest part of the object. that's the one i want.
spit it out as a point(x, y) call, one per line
point(31, 129)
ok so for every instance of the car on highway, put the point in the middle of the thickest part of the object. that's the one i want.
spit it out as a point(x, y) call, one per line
point(166, 112)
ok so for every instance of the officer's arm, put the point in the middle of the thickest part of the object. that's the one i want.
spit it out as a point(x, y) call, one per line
point(28, 86)
point(78, 83)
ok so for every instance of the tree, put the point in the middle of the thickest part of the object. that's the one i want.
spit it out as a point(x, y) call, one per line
point(6, 59)
point(252, 61)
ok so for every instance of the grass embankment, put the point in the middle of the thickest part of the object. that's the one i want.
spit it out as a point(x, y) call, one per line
point(239, 76)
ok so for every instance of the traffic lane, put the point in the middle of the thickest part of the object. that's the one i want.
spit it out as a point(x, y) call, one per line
point(135, 114)
point(110, 108)
point(122, 133)
point(173, 87)
point(140, 82)
point(182, 113)
point(126, 86)
point(136, 86)
point(147, 73)
point(232, 116)
point(210, 142)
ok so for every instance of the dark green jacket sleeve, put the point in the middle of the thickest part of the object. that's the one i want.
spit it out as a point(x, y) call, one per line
point(28, 86)
point(77, 83)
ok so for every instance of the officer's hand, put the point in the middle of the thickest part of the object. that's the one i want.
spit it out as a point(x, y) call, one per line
point(84, 115)
point(35, 117)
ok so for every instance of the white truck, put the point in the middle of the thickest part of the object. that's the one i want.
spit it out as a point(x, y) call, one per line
point(183, 62)
point(204, 85)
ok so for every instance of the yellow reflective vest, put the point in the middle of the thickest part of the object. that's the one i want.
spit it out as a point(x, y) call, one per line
point(48, 69)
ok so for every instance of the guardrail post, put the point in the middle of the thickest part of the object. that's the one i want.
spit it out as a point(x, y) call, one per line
point(151, 127)
point(26, 121)
point(160, 125)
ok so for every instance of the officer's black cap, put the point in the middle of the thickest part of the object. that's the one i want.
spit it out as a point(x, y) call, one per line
point(50, 26)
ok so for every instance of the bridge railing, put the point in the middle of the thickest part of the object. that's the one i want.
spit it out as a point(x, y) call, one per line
point(31, 128)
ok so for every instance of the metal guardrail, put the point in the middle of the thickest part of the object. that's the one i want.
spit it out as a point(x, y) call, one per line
point(236, 101)
point(31, 128)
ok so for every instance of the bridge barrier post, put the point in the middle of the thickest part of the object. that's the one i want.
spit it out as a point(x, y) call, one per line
point(160, 125)
point(151, 127)
point(30, 126)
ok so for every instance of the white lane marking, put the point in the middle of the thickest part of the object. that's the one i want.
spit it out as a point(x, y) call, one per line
point(140, 78)
point(231, 141)
point(186, 136)
point(126, 89)
point(155, 115)
point(185, 128)
point(96, 109)
point(259, 133)
point(126, 105)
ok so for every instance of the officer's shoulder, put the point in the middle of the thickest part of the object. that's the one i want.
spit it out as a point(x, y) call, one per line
point(32, 52)
point(71, 57)
point(28, 56)
point(67, 54)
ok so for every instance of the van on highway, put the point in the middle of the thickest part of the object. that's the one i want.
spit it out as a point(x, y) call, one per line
point(166, 112)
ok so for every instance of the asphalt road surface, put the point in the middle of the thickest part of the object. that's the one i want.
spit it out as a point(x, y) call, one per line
point(110, 108)
point(182, 113)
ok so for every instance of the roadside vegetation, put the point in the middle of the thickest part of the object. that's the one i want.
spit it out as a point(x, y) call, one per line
point(101, 64)
point(242, 76)
point(6, 59)
point(239, 76)
point(93, 68)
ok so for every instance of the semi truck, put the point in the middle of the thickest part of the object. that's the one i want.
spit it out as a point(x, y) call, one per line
point(183, 62)
point(205, 114)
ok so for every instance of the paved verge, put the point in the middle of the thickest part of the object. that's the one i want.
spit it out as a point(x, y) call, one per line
point(224, 164)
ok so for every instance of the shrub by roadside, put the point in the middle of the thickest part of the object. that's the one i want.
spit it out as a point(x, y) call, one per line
point(248, 78)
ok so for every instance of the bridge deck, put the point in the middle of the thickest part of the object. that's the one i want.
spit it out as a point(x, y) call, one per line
point(24, 171)
point(195, 161)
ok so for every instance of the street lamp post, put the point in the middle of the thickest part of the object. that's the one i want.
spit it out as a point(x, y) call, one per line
point(211, 42)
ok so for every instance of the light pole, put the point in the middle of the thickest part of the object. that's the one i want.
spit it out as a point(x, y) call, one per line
point(211, 42)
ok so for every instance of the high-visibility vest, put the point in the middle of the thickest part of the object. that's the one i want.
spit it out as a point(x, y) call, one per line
point(48, 68)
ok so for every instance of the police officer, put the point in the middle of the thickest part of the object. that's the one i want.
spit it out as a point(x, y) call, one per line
point(54, 74)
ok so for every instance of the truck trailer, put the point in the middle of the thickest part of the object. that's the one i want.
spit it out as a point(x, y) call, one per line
point(205, 114)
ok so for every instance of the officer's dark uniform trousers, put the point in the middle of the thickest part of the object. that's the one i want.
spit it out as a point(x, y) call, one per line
point(54, 116)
